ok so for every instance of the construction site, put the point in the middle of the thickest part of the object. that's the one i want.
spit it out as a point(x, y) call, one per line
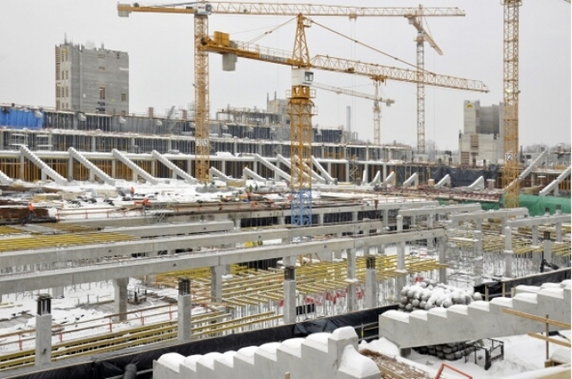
point(249, 242)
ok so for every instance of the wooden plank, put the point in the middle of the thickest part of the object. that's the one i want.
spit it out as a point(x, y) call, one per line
point(548, 339)
point(541, 319)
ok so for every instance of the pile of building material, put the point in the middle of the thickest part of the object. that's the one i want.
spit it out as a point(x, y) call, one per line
point(428, 294)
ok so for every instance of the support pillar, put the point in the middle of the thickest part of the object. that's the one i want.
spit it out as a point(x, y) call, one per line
point(216, 283)
point(547, 247)
point(400, 245)
point(478, 258)
point(442, 246)
point(508, 252)
point(320, 218)
point(120, 299)
point(351, 280)
point(184, 303)
point(534, 230)
point(371, 286)
point(43, 354)
point(289, 295)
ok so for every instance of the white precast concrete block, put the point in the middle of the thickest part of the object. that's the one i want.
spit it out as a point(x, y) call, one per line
point(167, 366)
point(355, 365)
point(315, 349)
point(206, 365)
point(188, 367)
point(224, 364)
point(266, 361)
point(339, 339)
point(244, 363)
point(289, 354)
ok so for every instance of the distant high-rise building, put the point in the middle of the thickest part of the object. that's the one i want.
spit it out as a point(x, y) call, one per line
point(92, 80)
point(481, 141)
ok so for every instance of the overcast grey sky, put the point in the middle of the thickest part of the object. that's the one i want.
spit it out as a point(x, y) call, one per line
point(160, 50)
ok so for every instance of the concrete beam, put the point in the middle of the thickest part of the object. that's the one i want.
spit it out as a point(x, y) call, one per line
point(441, 210)
point(148, 266)
point(496, 214)
point(541, 220)
point(154, 246)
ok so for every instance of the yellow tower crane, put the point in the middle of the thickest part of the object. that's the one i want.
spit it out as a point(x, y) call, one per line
point(376, 101)
point(510, 102)
point(422, 37)
point(202, 9)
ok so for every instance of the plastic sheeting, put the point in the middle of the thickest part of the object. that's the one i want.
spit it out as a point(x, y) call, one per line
point(113, 365)
point(495, 288)
point(21, 118)
point(537, 205)
point(462, 177)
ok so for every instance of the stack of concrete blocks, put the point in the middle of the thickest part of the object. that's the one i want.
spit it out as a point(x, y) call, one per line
point(320, 355)
point(480, 319)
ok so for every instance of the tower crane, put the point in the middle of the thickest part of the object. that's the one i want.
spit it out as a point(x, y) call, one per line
point(203, 9)
point(422, 37)
point(300, 104)
point(510, 101)
point(376, 100)
point(511, 92)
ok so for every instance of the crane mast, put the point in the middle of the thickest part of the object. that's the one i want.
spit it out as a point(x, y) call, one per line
point(510, 99)
point(300, 108)
point(422, 37)
point(202, 132)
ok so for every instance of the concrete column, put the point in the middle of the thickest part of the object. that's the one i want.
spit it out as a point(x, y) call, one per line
point(442, 248)
point(43, 354)
point(558, 227)
point(400, 245)
point(478, 257)
point(351, 280)
point(236, 223)
point(289, 295)
point(384, 171)
point(386, 217)
point(355, 216)
point(70, 170)
point(371, 286)
point(508, 252)
point(534, 229)
point(93, 144)
point(347, 171)
point(184, 303)
point(430, 220)
point(120, 299)
point(320, 219)
point(216, 283)
point(413, 220)
point(547, 247)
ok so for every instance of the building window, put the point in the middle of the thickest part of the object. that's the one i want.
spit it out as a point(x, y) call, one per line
point(474, 141)
point(66, 91)
point(101, 93)
point(58, 92)
point(123, 97)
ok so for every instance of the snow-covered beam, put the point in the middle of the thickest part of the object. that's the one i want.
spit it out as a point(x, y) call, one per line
point(43, 166)
point(248, 173)
point(136, 169)
point(391, 178)
point(325, 174)
point(412, 181)
point(273, 168)
point(91, 167)
point(173, 167)
point(478, 184)
point(553, 186)
point(444, 182)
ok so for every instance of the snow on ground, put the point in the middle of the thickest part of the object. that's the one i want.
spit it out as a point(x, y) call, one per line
point(521, 354)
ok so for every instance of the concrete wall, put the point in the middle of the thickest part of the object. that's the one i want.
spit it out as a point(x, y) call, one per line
point(320, 355)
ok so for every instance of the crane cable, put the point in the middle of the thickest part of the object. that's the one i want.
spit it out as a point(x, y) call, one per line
point(368, 46)
point(255, 39)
